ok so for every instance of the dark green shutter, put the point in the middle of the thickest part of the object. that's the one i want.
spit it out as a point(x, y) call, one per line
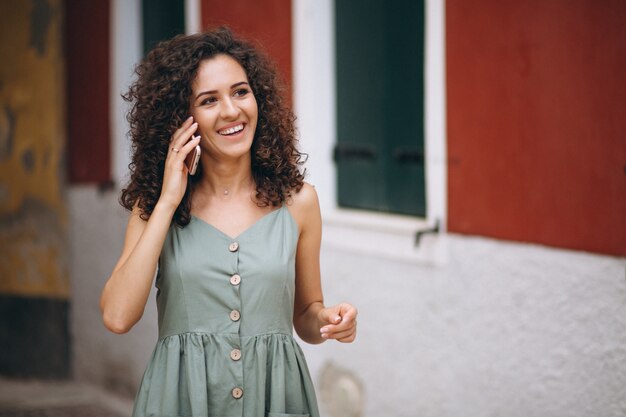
point(162, 19)
point(380, 105)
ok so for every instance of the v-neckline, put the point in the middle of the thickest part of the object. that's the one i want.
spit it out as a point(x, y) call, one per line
point(243, 232)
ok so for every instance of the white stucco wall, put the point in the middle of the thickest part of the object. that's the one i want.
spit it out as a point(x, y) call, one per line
point(97, 225)
point(502, 329)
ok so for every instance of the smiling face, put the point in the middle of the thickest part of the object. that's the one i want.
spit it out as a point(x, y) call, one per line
point(223, 105)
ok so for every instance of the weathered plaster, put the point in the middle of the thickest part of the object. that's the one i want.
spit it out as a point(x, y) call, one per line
point(33, 217)
point(34, 253)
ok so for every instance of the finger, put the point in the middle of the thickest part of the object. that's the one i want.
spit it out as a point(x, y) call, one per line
point(349, 316)
point(182, 135)
point(348, 339)
point(189, 146)
point(347, 310)
point(335, 329)
point(188, 122)
point(344, 323)
point(330, 316)
point(176, 157)
point(179, 155)
point(183, 151)
point(339, 335)
point(338, 328)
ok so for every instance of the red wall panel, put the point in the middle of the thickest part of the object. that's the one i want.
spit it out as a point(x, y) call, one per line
point(267, 22)
point(537, 121)
point(87, 53)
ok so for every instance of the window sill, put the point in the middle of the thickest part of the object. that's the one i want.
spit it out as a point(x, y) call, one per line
point(382, 235)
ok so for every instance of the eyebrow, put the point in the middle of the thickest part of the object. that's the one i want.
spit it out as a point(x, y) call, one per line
point(215, 91)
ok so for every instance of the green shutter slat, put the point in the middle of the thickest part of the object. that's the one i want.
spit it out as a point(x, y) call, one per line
point(380, 122)
point(162, 19)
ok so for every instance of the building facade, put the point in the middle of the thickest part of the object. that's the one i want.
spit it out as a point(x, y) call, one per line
point(472, 187)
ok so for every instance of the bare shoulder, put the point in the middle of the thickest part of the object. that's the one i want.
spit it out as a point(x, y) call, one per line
point(305, 199)
point(304, 206)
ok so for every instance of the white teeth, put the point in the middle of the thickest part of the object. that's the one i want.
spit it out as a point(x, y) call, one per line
point(231, 130)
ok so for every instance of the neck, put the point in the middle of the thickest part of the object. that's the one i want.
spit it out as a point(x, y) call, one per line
point(226, 178)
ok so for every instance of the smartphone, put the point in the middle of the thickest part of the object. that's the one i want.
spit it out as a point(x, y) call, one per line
point(192, 160)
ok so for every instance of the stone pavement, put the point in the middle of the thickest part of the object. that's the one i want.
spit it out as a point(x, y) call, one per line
point(37, 398)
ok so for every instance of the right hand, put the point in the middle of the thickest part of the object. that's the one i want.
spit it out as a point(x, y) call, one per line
point(339, 322)
point(176, 173)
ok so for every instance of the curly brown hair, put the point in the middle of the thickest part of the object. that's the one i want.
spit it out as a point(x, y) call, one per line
point(160, 98)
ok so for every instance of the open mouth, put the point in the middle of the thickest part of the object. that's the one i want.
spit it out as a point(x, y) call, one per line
point(231, 131)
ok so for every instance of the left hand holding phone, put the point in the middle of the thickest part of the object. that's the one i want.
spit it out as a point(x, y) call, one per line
point(176, 172)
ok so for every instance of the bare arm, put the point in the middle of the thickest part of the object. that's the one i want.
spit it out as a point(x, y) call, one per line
point(126, 292)
point(314, 322)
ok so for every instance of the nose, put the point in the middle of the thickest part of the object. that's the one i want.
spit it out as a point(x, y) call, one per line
point(229, 109)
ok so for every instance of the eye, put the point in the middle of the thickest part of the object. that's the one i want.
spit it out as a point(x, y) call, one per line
point(208, 100)
point(240, 92)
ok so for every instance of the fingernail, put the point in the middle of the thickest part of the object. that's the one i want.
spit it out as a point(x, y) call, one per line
point(337, 319)
point(195, 124)
point(324, 330)
point(189, 118)
point(324, 336)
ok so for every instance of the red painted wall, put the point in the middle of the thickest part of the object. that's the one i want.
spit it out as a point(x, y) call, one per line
point(268, 22)
point(87, 54)
point(537, 121)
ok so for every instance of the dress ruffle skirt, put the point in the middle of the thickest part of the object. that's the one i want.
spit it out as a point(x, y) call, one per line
point(185, 377)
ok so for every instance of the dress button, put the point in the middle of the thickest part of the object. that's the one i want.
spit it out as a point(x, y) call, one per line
point(235, 315)
point(237, 393)
point(235, 354)
point(233, 247)
point(235, 279)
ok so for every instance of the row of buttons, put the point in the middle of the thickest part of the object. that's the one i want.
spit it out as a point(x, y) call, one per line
point(235, 315)
point(235, 279)
point(237, 392)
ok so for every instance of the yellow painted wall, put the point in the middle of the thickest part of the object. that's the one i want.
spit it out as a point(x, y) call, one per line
point(33, 216)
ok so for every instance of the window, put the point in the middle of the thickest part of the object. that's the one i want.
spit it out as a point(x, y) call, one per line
point(162, 19)
point(380, 105)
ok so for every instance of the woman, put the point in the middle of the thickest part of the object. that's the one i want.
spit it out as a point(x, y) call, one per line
point(237, 244)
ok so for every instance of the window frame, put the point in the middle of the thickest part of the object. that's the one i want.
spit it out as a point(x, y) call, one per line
point(383, 234)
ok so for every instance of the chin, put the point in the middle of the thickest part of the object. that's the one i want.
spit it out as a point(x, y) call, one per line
point(237, 152)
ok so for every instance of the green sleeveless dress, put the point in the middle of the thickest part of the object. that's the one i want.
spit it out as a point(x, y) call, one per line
point(225, 308)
